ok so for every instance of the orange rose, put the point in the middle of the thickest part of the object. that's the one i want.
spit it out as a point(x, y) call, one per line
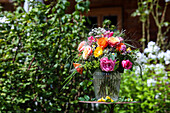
point(113, 41)
point(102, 42)
point(80, 70)
point(119, 47)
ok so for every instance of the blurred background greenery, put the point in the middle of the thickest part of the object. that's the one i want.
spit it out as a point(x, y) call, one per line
point(36, 52)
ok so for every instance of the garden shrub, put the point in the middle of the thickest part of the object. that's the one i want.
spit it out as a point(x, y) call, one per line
point(153, 90)
point(36, 50)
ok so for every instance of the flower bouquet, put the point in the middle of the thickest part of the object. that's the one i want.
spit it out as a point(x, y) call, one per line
point(105, 55)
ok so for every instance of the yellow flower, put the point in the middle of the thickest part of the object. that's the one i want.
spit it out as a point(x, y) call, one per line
point(107, 97)
point(101, 100)
point(93, 46)
point(113, 53)
point(98, 52)
point(129, 49)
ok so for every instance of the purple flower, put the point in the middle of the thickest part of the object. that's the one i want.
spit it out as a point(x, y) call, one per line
point(126, 64)
point(106, 64)
point(123, 48)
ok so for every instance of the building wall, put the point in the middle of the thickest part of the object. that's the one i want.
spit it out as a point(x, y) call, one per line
point(7, 5)
point(132, 25)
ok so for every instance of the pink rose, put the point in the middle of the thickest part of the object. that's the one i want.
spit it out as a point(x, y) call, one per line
point(106, 64)
point(126, 64)
point(108, 34)
point(91, 39)
point(82, 46)
point(121, 39)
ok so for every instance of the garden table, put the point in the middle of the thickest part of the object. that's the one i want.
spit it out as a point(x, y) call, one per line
point(106, 103)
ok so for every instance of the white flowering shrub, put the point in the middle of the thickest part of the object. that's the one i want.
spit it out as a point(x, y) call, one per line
point(3, 20)
point(153, 52)
point(153, 59)
point(152, 89)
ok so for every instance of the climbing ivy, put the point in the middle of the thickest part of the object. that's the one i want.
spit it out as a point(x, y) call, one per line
point(36, 50)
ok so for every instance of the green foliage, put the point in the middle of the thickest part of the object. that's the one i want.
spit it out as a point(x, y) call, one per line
point(36, 50)
point(85, 98)
point(153, 98)
point(152, 90)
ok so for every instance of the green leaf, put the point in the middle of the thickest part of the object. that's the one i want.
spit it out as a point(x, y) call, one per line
point(81, 99)
point(69, 78)
point(129, 45)
point(28, 109)
point(90, 82)
point(140, 69)
point(86, 97)
point(79, 0)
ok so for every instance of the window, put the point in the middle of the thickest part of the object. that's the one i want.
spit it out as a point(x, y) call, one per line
point(98, 15)
point(91, 22)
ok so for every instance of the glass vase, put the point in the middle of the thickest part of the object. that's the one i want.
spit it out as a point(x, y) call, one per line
point(106, 84)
